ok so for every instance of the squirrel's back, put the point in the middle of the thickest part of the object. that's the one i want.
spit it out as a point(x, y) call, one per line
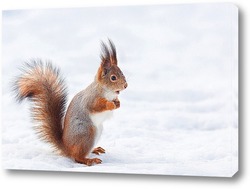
point(41, 83)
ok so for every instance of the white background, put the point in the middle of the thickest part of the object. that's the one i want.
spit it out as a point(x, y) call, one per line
point(33, 179)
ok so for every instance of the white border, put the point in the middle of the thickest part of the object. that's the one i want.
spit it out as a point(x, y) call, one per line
point(27, 179)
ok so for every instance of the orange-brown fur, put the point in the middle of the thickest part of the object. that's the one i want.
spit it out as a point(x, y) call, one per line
point(102, 104)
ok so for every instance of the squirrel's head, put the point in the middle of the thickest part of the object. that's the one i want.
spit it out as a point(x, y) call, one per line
point(109, 74)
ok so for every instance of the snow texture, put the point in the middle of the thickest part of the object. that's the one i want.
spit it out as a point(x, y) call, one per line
point(179, 114)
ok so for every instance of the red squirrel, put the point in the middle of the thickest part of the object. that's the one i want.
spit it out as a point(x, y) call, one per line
point(75, 132)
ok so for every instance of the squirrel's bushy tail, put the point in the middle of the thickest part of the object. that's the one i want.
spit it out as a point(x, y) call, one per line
point(42, 84)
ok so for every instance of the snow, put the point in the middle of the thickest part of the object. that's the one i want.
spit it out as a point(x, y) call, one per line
point(179, 114)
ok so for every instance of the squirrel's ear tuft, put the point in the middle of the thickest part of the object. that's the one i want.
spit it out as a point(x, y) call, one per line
point(108, 55)
point(112, 53)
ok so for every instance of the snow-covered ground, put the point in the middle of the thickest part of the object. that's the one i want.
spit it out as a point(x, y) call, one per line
point(179, 114)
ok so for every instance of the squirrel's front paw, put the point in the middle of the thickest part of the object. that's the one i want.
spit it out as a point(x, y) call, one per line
point(110, 105)
point(98, 150)
point(117, 103)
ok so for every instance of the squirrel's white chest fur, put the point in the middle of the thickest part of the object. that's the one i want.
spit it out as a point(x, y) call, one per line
point(99, 118)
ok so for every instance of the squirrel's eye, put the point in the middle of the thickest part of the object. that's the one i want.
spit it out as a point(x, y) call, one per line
point(113, 78)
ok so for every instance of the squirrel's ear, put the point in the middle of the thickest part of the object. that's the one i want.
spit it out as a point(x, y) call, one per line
point(108, 56)
point(105, 60)
point(113, 58)
point(105, 67)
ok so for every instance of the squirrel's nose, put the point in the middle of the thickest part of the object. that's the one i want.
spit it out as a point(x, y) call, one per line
point(126, 85)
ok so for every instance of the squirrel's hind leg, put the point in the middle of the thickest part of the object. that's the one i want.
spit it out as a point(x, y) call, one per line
point(82, 146)
point(80, 156)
